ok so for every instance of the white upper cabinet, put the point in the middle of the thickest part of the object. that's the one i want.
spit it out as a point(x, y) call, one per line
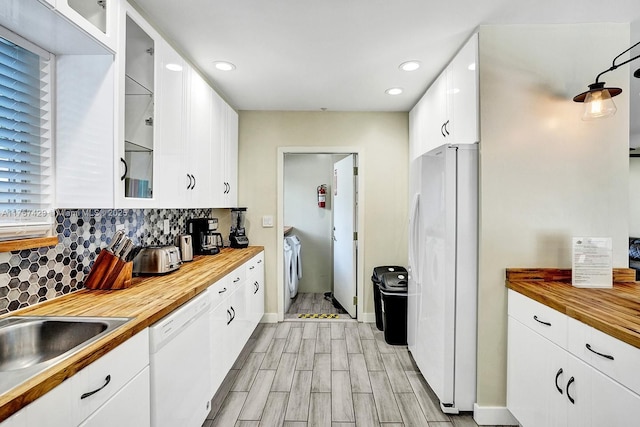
point(463, 94)
point(448, 111)
point(172, 73)
point(224, 155)
point(135, 145)
point(98, 18)
point(199, 137)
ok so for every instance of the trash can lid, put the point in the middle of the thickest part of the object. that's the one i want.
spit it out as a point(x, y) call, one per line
point(383, 269)
point(394, 281)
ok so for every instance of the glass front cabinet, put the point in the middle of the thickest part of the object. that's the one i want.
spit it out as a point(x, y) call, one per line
point(135, 170)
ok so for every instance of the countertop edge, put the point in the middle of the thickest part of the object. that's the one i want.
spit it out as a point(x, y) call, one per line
point(27, 392)
point(587, 305)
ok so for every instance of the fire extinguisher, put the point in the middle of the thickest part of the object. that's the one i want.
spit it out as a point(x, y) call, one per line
point(322, 195)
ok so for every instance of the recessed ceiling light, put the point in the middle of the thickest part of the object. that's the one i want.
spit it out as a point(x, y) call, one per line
point(409, 66)
point(224, 66)
point(393, 91)
point(173, 67)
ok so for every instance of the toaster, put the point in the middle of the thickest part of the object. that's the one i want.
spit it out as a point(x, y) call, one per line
point(157, 260)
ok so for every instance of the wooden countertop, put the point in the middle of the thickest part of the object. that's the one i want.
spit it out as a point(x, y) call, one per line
point(614, 311)
point(147, 300)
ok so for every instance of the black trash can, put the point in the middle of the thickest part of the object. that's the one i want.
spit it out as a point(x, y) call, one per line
point(393, 292)
point(375, 279)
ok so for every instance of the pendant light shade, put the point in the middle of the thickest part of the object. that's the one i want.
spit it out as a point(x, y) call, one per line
point(598, 102)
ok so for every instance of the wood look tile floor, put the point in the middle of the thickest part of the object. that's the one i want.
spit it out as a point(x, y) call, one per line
point(334, 374)
point(305, 303)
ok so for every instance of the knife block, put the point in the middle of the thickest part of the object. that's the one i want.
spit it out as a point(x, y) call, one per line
point(109, 272)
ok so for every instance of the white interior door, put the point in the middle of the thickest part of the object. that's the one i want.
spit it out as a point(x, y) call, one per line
point(344, 243)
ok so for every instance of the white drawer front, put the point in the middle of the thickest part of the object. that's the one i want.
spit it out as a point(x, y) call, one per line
point(255, 265)
point(607, 354)
point(219, 291)
point(120, 365)
point(546, 321)
point(236, 277)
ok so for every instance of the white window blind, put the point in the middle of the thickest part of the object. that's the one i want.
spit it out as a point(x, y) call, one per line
point(26, 181)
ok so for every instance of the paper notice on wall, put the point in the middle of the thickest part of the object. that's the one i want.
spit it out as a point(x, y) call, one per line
point(592, 265)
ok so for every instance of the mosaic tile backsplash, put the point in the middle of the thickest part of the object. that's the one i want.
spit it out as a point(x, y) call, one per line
point(34, 275)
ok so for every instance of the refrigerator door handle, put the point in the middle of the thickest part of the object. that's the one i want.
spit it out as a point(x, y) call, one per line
point(414, 230)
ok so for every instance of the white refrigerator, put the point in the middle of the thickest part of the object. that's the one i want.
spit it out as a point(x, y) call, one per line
point(443, 284)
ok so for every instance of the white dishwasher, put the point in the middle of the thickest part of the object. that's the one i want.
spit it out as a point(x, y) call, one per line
point(180, 367)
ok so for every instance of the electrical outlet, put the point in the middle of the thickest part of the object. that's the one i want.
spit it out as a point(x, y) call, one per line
point(165, 226)
point(119, 227)
point(267, 221)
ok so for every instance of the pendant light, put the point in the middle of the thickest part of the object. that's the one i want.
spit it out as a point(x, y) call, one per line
point(598, 100)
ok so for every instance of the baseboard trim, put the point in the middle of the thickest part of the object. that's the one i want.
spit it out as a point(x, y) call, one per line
point(269, 318)
point(493, 416)
point(368, 317)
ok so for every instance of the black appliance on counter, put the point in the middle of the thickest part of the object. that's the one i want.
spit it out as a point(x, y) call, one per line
point(205, 239)
point(238, 237)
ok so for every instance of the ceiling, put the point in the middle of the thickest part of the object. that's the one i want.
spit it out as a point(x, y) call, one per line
point(341, 55)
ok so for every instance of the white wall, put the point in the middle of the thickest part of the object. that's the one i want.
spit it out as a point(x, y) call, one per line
point(382, 139)
point(545, 174)
point(303, 173)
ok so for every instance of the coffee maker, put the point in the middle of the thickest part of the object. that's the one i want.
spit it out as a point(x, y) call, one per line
point(205, 239)
point(237, 237)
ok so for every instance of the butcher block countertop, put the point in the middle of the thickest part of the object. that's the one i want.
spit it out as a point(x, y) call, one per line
point(148, 300)
point(614, 311)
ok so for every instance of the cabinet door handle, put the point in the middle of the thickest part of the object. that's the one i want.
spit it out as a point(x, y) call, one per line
point(189, 184)
point(257, 285)
point(233, 315)
point(446, 130)
point(222, 291)
point(535, 317)
point(229, 319)
point(442, 130)
point(606, 356)
point(194, 182)
point(107, 380)
point(571, 381)
point(126, 169)
point(558, 376)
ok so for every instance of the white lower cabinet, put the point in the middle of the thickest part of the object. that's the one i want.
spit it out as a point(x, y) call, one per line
point(101, 394)
point(547, 385)
point(121, 410)
point(237, 306)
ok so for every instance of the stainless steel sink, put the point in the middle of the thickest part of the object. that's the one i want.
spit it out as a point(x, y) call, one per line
point(29, 345)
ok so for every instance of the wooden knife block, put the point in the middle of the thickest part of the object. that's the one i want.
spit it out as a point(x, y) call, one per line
point(109, 272)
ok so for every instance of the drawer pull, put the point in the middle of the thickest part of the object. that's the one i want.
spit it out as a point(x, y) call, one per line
point(535, 317)
point(252, 267)
point(606, 356)
point(571, 381)
point(558, 376)
point(236, 280)
point(107, 380)
point(222, 291)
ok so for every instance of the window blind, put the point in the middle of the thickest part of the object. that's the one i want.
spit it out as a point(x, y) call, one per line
point(26, 191)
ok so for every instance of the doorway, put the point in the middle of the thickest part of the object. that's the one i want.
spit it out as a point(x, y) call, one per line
point(308, 229)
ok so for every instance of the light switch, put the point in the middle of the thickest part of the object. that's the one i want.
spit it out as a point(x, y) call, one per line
point(267, 221)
